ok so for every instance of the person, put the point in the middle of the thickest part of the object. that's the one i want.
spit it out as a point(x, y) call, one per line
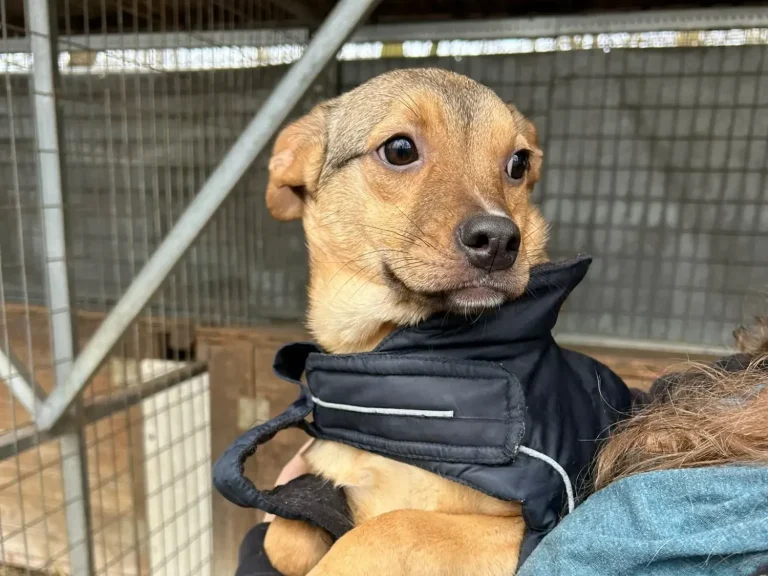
point(252, 561)
point(680, 487)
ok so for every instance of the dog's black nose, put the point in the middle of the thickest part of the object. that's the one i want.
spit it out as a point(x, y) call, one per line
point(490, 242)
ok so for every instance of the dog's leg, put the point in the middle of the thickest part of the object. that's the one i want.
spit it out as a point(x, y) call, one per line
point(295, 547)
point(416, 543)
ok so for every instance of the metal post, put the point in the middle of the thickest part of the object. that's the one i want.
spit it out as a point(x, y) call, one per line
point(635, 345)
point(73, 451)
point(337, 27)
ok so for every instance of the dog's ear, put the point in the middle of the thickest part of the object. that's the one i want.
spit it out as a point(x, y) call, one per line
point(294, 167)
point(531, 135)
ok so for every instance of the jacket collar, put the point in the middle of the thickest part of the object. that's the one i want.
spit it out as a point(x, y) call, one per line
point(532, 316)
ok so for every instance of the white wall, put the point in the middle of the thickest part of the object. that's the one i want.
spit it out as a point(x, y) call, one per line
point(178, 475)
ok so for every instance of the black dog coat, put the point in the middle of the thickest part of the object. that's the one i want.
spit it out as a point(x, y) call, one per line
point(492, 403)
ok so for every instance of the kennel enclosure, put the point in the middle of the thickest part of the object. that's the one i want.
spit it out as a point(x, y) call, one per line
point(141, 299)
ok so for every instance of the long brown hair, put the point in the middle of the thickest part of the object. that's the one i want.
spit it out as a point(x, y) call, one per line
point(704, 415)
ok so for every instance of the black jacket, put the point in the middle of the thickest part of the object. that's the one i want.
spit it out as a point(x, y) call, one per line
point(491, 402)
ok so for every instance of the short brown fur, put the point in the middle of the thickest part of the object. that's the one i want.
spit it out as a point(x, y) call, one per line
point(382, 254)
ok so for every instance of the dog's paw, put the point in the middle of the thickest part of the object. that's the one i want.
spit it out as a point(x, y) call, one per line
point(293, 547)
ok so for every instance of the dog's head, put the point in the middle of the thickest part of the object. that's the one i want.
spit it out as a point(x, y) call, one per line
point(414, 189)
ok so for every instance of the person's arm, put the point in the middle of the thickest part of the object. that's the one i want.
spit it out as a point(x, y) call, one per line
point(252, 561)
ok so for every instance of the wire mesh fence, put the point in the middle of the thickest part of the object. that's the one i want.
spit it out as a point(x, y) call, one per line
point(136, 141)
point(655, 163)
point(655, 152)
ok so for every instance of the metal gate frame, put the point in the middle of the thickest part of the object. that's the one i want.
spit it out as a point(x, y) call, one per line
point(62, 414)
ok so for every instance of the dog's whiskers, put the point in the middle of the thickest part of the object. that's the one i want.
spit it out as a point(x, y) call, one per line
point(355, 260)
point(407, 266)
point(402, 234)
point(420, 230)
point(360, 271)
point(361, 257)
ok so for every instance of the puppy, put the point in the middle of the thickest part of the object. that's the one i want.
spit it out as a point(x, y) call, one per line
point(414, 190)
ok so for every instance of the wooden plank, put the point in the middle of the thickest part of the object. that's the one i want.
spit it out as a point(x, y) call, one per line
point(244, 392)
point(273, 396)
point(147, 338)
point(230, 370)
point(639, 370)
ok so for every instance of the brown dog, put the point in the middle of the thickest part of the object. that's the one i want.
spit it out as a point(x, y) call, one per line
point(414, 190)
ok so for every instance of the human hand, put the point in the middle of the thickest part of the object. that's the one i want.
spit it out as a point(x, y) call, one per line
point(296, 467)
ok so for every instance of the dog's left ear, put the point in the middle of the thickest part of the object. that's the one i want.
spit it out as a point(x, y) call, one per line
point(295, 165)
point(531, 135)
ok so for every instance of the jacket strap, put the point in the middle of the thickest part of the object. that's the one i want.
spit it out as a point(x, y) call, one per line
point(329, 510)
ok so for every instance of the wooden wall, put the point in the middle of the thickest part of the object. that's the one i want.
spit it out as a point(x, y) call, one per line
point(244, 392)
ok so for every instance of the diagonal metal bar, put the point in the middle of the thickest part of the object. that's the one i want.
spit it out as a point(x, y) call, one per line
point(20, 383)
point(337, 27)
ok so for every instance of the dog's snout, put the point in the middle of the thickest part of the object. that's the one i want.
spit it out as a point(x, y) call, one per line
point(489, 242)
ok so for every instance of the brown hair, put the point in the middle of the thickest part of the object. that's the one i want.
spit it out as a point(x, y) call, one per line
point(706, 415)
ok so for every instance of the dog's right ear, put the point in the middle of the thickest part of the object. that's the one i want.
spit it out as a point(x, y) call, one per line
point(294, 167)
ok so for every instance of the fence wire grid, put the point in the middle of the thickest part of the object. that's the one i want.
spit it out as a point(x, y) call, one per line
point(655, 162)
point(134, 149)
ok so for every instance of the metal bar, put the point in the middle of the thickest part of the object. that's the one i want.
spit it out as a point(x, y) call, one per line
point(72, 444)
point(20, 383)
point(28, 437)
point(98, 409)
point(335, 30)
point(160, 40)
point(660, 347)
point(650, 21)
point(74, 473)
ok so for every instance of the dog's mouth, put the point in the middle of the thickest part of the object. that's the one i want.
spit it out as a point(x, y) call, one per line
point(475, 298)
point(481, 294)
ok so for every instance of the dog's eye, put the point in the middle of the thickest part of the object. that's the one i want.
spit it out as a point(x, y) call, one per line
point(399, 151)
point(517, 165)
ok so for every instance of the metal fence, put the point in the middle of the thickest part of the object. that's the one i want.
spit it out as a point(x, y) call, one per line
point(655, 162)
point(654, 128)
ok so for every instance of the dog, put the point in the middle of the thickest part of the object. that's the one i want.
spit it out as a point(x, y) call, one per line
point(415, 194)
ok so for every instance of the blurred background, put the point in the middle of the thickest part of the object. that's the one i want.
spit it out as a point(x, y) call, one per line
point(113, 114)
